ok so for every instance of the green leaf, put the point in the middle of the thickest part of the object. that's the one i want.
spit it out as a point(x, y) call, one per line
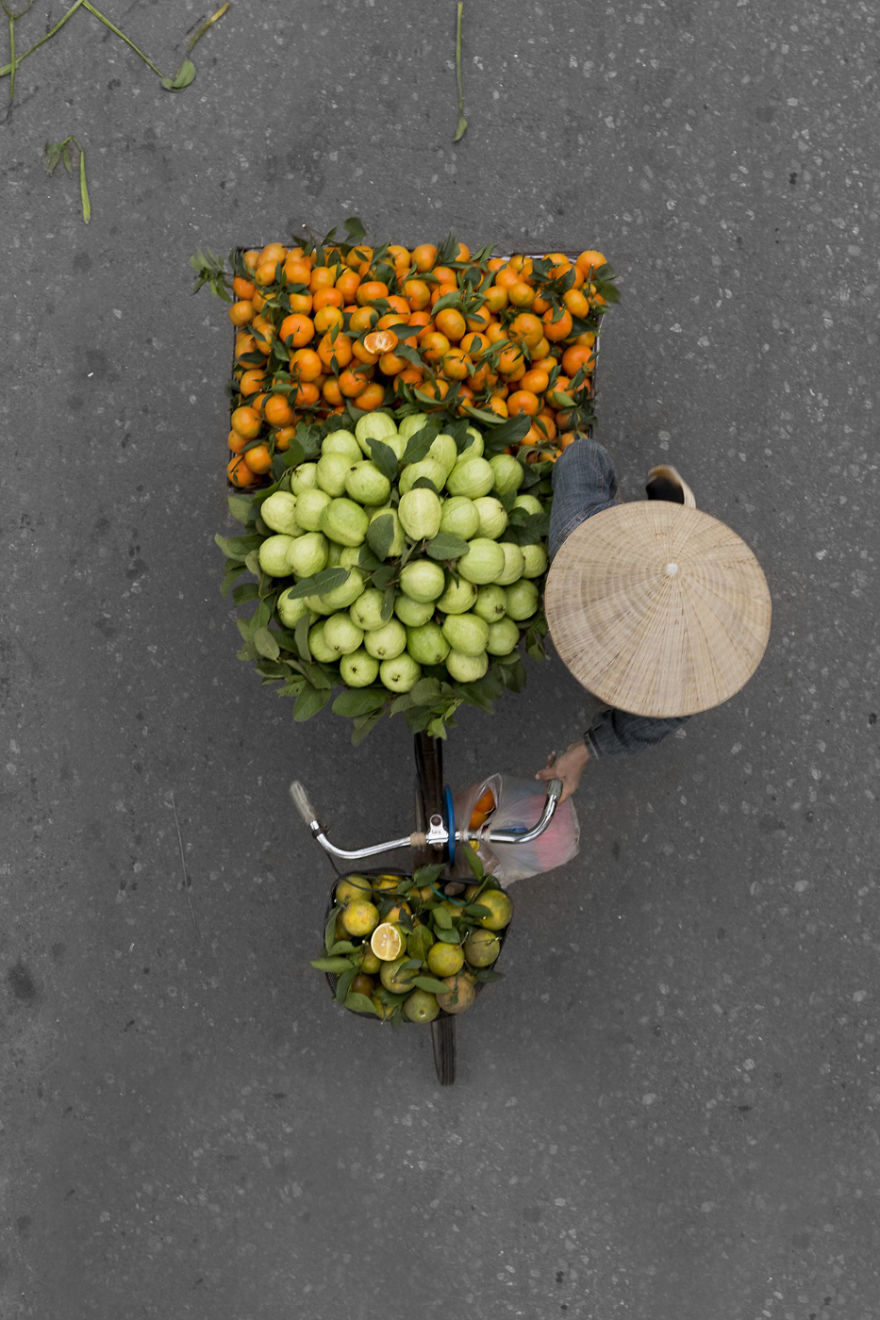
point(441, 918)
point(84, 188)
point(359, 702)
point(359, 1003)
point(446, 546)
point(343, 985)
point(460, 129)
point(240, 507)
point(206, 25)
point(335, 965)
point(316, 585)
point(380, 534)
point(449, 936)
point(473, 860)
point(362, 725)
point(266, 643)
point(432, 985)
point(301, 637)
point(427, 875)
point(330, 929)
point(184, 76)
point(384, 457)
point(310, 701)
point(344, 946)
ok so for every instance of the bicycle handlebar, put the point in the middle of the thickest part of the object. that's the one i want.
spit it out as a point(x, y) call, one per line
point(437, 834)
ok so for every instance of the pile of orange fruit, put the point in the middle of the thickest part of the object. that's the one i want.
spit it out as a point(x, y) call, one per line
point(346, 327)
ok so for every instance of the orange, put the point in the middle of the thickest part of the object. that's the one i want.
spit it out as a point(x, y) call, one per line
point(496, 297)
point(277, 410)
point(528, 327)
point(237, 441)
point(243, 288)
point(521, 294)
point(522, 401)
point(258, 459)
point(296, 330)
point(283, 437)
point(434, 345)
point(577, 302)
point(390, 364)
point(338, 347)
point(328, 318)
point(484, 805)
point(456, 364)
point(362, 318)
point(417, 292)
point(300, 302)
point(557, 325)
point(306, 364)
point(241, 312)
point(424, 256)
point(274, 252)
point(575, 357)
point(442, 291)
point(251, 382)
point(297, 270)
point(372, 396)
point(250, 259)
point(266, 272)
point(380, 341)
point(322, 277)
point(451, 323)
point(535, 380)
point(307, 394)
point(369, 291)
point(359, 258)
point(239, 473)
point(352, 382)
point(509, 360)
point(347, 284)
point(445, 275)
point(327, 295)
point(247, 421)
point(330, 391)
point(590, 260)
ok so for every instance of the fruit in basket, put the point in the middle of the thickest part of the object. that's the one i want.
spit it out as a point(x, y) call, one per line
point(352, 887)
point(360, 916)
point(386, 941)
point(482, 947)
point(458, 597)
point(365, 484)
point(367, 610)
point(278, 512)
point(310, 504)
point(471, 476)
point(358, 669)
point(421, 1006)
point(426, 644)
point(535, 560)
point(459, 516)
point(466, 668)
point(332, 471)
point(398, 976)
point(490, 603)
point(307, 554)
point(503, 637)
point(522, 599)
point(290, 608)
point(513, 564)
point(426, 469)
point(274, 555)
point(400, 674)
point(419, 512)
point(482, 561)
point(508, 473)
point(342, 442)
point(492, 516)
point(422, 579)
point(344, 521)
point(461, 992)
point(413, 613)
point(445, 959)
point(467, 633)
point(500, 908)
point(387, 641)
point(341, 635)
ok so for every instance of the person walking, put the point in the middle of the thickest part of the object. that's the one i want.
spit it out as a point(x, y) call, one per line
point(657, 608)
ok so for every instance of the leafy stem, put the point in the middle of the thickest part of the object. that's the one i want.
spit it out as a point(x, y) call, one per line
point(56, 152)
point(462, 122)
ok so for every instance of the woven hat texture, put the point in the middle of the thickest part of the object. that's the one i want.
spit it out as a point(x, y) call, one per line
point(657, 608)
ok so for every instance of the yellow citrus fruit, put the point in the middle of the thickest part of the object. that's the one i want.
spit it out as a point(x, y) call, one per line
point(397, 978)
point(394, 915)
point(370, 964)
point(360, 917)
point(386, 942)
point(421, 1006)
point(352, 887)
point(363, 985)
point(460, 995)
point(482, 947)
point(386, 881)
point(500, 909)
point(445, 959)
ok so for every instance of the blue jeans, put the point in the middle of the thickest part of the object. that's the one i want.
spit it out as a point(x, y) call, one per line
point(584, 483)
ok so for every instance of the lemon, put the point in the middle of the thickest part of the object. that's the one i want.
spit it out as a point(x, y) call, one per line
point(445, 959)
point(386, 942)
point(397, 978)
point(360, 917)
point(482, 947)
point(370, 964)
point(421, 1006)
point(352, 887)
point(460, 995)
point(500, 909)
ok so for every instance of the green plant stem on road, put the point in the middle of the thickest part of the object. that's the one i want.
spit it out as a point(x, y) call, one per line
point(182, 78)
point(60, 151)
point(462, 123)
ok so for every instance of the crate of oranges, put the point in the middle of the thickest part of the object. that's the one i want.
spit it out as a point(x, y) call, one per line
point(395, 414)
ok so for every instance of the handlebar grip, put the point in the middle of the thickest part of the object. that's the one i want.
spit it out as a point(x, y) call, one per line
point(301, 802)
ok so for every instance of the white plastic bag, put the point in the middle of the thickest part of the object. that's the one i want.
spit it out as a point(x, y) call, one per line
point(519, 803)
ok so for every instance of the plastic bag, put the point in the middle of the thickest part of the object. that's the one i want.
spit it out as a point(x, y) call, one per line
point(519, 803)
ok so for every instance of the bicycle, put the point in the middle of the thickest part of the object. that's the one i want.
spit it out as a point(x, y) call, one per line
point(434, 840)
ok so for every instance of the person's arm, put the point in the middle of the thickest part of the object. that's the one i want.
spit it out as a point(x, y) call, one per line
point(612, 733)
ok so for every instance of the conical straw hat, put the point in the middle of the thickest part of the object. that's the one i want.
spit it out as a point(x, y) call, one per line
point(657, 608)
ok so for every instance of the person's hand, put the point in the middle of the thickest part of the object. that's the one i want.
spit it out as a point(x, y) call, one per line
point(567, 766)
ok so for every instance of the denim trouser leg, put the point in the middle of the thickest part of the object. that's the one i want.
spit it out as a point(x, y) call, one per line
point(584, 481)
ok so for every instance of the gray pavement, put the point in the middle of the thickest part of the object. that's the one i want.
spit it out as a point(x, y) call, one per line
point(668, 1110)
